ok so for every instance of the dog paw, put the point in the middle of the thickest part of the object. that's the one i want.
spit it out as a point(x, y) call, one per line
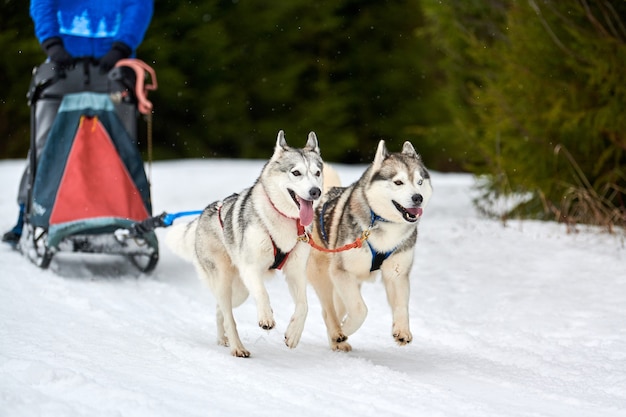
point(402, 337)
point(293, 334)
point(222, 341)
point(267, 324)
point(292, 341)
point(338, 337)
point(240, 352)
point(341, 346)
point(338, 342)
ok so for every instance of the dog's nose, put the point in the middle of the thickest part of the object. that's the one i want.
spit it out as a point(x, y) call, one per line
point(315, 193)
point(417, 199)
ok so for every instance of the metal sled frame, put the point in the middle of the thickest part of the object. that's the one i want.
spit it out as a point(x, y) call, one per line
point(141, 252)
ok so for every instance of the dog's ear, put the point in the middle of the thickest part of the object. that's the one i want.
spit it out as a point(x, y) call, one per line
point(281, 142)
point(409, 150)
point(311, 143)
point(381, 154)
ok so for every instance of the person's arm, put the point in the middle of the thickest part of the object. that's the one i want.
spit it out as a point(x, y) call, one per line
point(136, 17)
point(44, 15)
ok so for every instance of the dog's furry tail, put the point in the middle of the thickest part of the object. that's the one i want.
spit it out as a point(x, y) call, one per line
point(331, 178)
point(181, 239)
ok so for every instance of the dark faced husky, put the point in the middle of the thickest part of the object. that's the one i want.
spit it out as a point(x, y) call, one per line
point(381, 211)
point(237, 242)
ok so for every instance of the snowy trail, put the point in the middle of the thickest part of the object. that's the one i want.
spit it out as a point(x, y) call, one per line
point(520, 320)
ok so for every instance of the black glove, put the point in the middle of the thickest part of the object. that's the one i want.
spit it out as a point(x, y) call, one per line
point(118, 51)
point(53, 47)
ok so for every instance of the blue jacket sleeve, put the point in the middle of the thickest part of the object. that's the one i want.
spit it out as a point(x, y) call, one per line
point(136, 18)
point(44, 15)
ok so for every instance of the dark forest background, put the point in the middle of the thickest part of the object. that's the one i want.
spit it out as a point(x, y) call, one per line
point(529, 95)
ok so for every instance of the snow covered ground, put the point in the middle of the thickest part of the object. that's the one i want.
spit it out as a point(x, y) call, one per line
point(515, 320)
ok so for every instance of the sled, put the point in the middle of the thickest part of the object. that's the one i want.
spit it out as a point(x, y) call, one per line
point(88, 179)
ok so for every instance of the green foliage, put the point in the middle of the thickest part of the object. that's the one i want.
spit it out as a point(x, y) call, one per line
point(457, 31)
point(237, 72)
point(545, 107)
point(19, 51)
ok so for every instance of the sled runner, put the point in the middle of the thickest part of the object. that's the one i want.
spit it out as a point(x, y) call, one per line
point(88, 179)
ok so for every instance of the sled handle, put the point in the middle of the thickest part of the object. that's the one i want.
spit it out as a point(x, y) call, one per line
point(141, 87)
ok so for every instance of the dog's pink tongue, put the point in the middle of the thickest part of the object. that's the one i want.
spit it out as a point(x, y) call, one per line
point(415, 211)
point(306, 212)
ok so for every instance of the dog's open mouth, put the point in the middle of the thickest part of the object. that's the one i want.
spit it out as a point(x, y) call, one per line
point(306, 208)
point(409, 214)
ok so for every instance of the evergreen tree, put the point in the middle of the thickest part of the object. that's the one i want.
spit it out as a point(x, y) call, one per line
point(237, 72)
point(547, 109)
point(19, 53)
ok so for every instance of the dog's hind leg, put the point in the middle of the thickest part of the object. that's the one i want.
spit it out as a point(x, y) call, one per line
point(239, 295)
point(317, 272)
point(229, 293)
point(218, 273)
point(228, 325)
point(222, 339)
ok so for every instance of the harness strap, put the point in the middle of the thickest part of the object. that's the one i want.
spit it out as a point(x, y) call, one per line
point(377, 257)
point(219, 215)
point(322, 228)
point(280, 257)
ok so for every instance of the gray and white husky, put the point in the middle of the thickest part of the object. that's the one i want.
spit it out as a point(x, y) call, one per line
point(381, 210)
point(237, 242)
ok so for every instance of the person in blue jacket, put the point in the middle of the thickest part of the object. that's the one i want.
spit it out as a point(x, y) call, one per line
point(103, 30)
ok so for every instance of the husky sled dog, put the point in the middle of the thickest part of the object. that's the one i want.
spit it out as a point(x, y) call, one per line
point(383, 209)
point(237, 242)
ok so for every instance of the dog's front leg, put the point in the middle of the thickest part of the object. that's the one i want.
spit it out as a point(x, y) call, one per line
point(295, 274)
point(397, 286)
point(318, 276)
point(253, 279)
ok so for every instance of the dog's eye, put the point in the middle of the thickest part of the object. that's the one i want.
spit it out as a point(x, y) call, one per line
point(398, 182)
point(296, 173)
point(318, 173)
point(420, 182)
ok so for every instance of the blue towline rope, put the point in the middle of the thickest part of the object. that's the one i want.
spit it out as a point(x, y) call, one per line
point(168, 218)
point(162, 220)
